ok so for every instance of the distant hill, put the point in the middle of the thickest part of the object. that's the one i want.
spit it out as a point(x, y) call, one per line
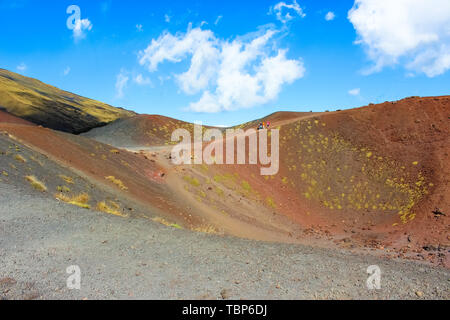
point(45, 105)
point(140, 130)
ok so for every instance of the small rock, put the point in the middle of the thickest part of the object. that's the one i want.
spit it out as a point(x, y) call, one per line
point(419, 293)
point(225, 294)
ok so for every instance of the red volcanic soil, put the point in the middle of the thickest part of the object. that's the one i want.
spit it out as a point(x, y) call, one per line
point(377, 176)
point(141, 179)
point(9, 118)
point(278, 118)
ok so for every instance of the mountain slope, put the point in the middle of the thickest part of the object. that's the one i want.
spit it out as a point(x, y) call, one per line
point(45, 105)
point(139, 131)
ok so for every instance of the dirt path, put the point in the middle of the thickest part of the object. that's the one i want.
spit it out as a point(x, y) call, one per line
point(124, 258)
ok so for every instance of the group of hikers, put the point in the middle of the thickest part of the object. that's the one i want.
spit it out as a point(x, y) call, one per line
point(264, 125)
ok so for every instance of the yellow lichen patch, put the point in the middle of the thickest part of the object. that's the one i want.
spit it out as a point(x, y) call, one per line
point(284, 180)
point(114, 151)
point(341, 175)
point(35, 183)
point(80, 200)
point(246, 186)
point(19, 158)
point(5, 173)
point(117, 182)
point(62, 189)
point(219, 192)
point(166, 223)
point(415, 163)
point(37, 161)
point(192, 181)
point(270, 202)
point(112, 208)
point(66, 179)
point(206, 229)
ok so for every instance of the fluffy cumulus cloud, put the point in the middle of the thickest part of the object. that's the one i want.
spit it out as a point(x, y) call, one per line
point(286, 12)
point(121, 83)
point(330, 16)
point(227, 74)
point(354, 92)
point(22, 67)
point(80, 28)
point(413, 33)
point(141, 80)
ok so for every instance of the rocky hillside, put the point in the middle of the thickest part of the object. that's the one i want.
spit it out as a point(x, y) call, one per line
point(45, 105)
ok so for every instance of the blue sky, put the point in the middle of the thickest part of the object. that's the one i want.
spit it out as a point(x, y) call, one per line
point(321, 68)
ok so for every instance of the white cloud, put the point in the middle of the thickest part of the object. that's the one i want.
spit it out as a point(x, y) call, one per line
point(354, 92)
point(330, 16)
point(22, 67)
point(229, 74)
point(139, 28)
point(218, 20)
point(411, 33)
point(290, 11)
point(66, 71)
point(141, 80)
point(121, 83)
point(81, 26)
point(167, 18)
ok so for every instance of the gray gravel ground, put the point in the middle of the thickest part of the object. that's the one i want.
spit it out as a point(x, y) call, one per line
point(124, 258)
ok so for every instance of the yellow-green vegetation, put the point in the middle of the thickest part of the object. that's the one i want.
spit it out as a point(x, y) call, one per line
point(36, 160)
point(246, 186)
point(31, 99)
point(167, 223)
point(67, 179)
point(341, 175)
point(5, 173)
point(19, 158)
point(117, 182)
point(114, 151)
point(232, 181)
point(192, 181)
point(124, 163)
point(229, 180)
point(270, 202)
point(202, 194)
point(162, 133)
point(80, 200)
point(219, 192)
point(110, 207)
point(206, 229)
point(62, 189)
point(36, 184)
